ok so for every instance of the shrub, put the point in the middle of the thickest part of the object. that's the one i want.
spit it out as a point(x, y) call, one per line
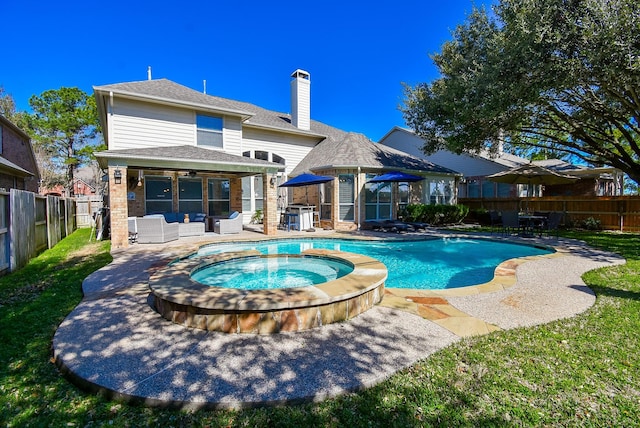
point(256, 218)
point(591, 224)
point(434, 214)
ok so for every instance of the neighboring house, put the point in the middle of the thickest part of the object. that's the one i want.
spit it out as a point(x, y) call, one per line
point(174, 149)
point(475, 168)
point(18, 167)
point(80, 188)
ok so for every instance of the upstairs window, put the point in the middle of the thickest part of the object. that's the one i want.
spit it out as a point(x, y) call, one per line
point(209, 131)
point(262, 155)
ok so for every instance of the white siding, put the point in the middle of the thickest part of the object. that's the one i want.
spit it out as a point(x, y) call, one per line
point(469, 166)
point(137, 125)
point(232, 135)
point(301, 100)
point(291, 147)
point(405, 142)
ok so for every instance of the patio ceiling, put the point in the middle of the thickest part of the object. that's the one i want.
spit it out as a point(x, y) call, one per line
point(186, 158)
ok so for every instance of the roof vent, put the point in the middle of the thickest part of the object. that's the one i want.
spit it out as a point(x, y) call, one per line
point(301, 99)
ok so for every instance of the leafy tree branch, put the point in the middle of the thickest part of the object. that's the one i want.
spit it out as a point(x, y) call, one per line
point(64, 128)
point(543, 76)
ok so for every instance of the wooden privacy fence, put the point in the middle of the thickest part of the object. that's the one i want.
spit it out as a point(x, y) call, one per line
point(86, 207)
point(30, 224)
point(614, 212)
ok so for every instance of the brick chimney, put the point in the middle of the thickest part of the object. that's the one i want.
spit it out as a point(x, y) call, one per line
point(301, 99)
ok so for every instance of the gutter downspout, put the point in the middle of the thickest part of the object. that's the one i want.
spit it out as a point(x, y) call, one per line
point(110, 118)
point(359, 195)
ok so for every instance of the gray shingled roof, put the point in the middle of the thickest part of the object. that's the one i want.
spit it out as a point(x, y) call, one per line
point(353, 150)
point(337, 148)
point(181, 154)
point(163, 90)
point(13, 169)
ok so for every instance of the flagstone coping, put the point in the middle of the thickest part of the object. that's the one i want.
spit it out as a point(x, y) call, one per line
point(180, 299)
point(434, 305)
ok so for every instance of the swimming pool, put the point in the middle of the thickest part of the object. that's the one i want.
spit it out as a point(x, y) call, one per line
point(420, 264)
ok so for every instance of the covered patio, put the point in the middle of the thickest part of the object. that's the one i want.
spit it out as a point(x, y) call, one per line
point(183, 178)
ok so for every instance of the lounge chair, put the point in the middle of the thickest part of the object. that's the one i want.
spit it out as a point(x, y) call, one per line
point(416, 225)
point(233, 224)
point(388, 225)
point(154, 229)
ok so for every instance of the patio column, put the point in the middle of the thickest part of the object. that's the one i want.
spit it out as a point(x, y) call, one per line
point(118, 207)
point(235, 190)
point(335, 202)
point(270, 204)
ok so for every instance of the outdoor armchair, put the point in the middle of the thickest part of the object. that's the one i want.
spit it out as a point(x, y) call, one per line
point(233, 224)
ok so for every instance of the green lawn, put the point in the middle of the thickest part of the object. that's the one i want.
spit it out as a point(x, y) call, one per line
point(584, 371)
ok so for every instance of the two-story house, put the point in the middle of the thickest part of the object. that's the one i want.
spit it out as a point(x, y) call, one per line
point(18, 166)
point(605, 181)
point(174, 149)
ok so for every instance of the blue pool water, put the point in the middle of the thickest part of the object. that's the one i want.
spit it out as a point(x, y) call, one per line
point(422, 264)
point(258, 273)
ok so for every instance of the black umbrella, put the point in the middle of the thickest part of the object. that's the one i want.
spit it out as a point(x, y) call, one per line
point(395, 176)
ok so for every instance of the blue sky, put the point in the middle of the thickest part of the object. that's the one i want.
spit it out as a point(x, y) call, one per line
point(358, 53)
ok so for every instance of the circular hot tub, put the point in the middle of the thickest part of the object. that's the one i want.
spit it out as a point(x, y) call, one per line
point(181, 293)
point(270, 272)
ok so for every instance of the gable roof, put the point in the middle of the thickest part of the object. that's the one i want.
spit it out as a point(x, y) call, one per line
point(353, 150)
point(335, 147)
point(164, 91)
point(505, 159)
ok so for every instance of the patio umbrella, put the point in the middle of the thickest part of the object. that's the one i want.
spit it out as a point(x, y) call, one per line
point(531, 174)
point(306, 180)
point(395, 176)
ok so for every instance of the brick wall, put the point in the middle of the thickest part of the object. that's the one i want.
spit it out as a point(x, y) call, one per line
point(119, 210)
point(17, 149)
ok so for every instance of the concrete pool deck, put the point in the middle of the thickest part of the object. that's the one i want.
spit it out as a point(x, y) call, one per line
point(113, 342)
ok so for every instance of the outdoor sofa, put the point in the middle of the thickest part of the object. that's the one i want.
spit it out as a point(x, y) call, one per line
point(154, 229)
